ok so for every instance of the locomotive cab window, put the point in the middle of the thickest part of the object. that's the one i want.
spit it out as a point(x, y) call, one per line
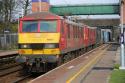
point(30, 26)
point(48, 26)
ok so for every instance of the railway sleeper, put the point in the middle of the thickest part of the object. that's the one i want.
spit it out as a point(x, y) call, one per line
point(7, 60)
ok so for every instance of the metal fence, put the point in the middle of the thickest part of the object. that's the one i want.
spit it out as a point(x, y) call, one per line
point(8, 41)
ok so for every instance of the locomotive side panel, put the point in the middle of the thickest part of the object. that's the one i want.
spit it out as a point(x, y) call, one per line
point(81, 34)
point(94, 42)
point(93, 36)
point(74, 37)
point(90, 37)
point(86, 36)
point(63, 40)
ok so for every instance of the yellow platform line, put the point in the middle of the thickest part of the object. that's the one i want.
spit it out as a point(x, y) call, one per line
point(86, 66)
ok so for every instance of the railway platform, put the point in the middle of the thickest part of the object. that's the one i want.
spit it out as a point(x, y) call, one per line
point(8, 53)
point(92, 67)
point(102, 70)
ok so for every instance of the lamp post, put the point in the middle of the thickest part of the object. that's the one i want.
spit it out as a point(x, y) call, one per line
point(122, 38)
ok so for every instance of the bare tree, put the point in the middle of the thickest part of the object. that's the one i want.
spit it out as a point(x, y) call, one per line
point(24, 4)
point(6, 9)
point(1, 11)
point(27, 3)
point(10, 9)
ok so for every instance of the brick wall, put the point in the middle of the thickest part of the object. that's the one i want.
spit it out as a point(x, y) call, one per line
point(124, 12)
point(44, 6)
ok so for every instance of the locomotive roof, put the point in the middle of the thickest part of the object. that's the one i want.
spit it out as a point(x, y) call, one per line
point(74, 23)
point(93, 27)
point(41, 15)
point(79, 24)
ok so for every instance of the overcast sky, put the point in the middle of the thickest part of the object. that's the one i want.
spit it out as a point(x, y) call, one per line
point(72, 2)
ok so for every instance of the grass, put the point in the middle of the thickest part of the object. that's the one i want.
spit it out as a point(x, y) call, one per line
point(117, 76)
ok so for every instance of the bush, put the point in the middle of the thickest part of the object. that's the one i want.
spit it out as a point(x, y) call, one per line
point(116, 66)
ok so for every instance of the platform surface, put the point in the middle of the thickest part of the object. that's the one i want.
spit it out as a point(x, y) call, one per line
point(84, 69)
point(102, 70)
point(6, 53)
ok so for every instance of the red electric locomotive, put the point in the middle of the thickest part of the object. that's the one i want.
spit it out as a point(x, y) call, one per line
point(46, 39)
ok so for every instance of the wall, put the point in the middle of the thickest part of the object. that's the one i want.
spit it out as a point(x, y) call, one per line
point(124, 12)
point(44, 6)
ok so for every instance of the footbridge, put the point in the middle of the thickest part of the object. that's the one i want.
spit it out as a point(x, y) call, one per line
point(101, 9)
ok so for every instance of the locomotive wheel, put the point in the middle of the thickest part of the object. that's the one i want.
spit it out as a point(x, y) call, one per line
point(69, 56)
point(26, 69)
point(81, 52)
point(60, 60)
point(72, 55)
point(65, 58)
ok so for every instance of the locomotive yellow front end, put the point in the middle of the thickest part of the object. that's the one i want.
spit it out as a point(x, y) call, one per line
point(39, 50)
point(38, 44)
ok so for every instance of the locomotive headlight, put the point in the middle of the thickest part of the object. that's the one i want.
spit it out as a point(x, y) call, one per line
point(51, 46)
point(24, 46)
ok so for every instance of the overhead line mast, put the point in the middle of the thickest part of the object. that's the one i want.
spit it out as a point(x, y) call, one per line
point(122, 36)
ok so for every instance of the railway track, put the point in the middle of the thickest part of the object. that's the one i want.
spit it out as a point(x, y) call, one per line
point(7, 57)
point(7, 63)
point(20, 80)
point(6, 66)
point(10, 69)
point(10, 73)
point(13, 74)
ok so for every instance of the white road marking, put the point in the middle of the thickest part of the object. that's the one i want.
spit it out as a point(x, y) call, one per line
point(86, 57)
point(70, 67)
